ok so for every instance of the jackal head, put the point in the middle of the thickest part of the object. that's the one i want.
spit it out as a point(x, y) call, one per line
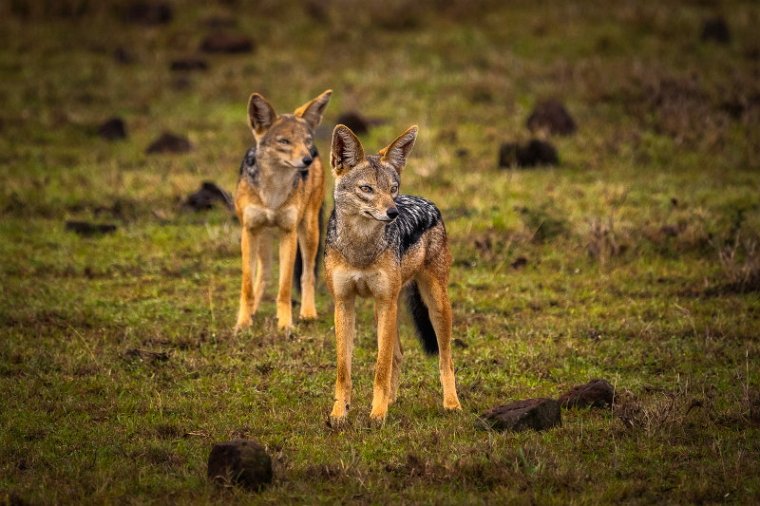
point(368, 185)
point(286, 141)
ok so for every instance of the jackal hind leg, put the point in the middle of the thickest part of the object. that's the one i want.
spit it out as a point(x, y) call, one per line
point(434, 294)
point(308, 242)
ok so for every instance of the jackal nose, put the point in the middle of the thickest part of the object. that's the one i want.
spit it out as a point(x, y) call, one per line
point(307, 160)
point(392, 212)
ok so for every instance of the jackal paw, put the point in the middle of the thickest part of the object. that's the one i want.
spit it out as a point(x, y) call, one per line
point(452, 404)
point(339, 415)
point(242, 324)
point(307, 315)
point(376, 421)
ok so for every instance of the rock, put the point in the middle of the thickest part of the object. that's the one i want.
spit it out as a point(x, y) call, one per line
point(551, 115)
point(519, 263)
point(240, 461)
point(205, 197)
point(113, 129)
point(87, 229)
point(189, 63)
point(536, 414)
point(596, 393)
point(532, 154)
point(223, 42)
point(147, 355)
point(147, 13)
point(169, 143)
point(716, 30)
point(355, 121)
point(123, 56)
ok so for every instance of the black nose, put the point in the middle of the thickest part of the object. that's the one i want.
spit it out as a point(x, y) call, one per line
point(392, 212)
point(307, 160)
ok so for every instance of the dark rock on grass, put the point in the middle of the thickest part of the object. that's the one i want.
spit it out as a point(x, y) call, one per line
point(241, 462)
point(87, 229)
point(597, 393)
point(519, 263)
point(533, 154)
point(123, 56)
point(188, 64)
point(147, 355)
point(207, 195)
point(536, 414)
point(458, 343)
point(551, 115)
point(147, 13)
point(169, 143)
point(113, 129)
point(223, 42)
point(716, 30)
point(355, 121)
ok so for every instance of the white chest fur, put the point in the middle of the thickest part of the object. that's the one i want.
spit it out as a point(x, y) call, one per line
point(362, 282)
point(285, 218)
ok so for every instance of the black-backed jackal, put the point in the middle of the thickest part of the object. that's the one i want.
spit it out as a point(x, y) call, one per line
point(279, 194)
point(378, 243)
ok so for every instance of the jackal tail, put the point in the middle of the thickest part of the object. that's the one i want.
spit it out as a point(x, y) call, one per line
point(421, 318)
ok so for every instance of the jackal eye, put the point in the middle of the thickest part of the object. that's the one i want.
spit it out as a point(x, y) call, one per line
point(394, 188)
point(365, 188)
point(283, 141)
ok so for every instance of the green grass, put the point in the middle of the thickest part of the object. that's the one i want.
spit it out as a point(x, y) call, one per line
point(609, 289)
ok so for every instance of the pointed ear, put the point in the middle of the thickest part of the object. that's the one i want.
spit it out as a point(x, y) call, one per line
point(261, 115)
point(397, 151)
point(312, 110)
point(347, 150)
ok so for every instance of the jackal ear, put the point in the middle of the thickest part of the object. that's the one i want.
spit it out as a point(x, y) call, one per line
point(397, 151)
point(261, 115)
point(312, 110)
point(347, 150)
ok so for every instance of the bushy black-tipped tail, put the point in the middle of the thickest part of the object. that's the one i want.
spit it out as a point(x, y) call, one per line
point(298, 265)
point(421, 319)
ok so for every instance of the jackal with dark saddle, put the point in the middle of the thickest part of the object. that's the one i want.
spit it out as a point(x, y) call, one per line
point(383, 245)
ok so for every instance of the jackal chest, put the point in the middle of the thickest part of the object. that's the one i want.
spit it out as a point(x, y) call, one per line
point(371, 282)
point(255, 217)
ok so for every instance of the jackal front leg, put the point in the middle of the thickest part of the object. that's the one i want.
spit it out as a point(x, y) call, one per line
point(248, 248)
point(344, 343)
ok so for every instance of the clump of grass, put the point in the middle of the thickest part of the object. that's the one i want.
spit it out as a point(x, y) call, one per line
point(543, 222)
point(740, 266)
point(604, 241)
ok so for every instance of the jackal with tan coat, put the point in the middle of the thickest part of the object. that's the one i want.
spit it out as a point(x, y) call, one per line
point(382, 244)
point(279, 195)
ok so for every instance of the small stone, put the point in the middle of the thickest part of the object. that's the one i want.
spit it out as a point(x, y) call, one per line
point(355, 121)
point(223, 42)
point(87, 229)
point(534, 153)
point(189, 63)
point(240, 461)
point(113, 129)
point(169, 143)
point(551, 115)
point(519, 263)
point(147, 13)
point(596, 393)
point(536, 414)
point(716, 30)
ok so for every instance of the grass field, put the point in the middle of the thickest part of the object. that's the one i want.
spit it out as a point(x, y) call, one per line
point(641, 253)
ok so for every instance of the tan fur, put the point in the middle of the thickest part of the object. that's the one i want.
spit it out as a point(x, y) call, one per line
point(276, 208)
point(353, 269)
